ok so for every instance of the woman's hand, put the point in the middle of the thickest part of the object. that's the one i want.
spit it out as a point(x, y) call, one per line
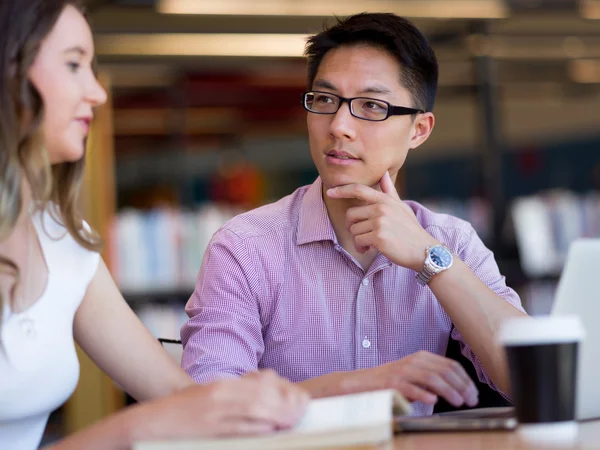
point(258, 403)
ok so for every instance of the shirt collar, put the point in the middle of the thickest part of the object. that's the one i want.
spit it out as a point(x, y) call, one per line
point(314, 224)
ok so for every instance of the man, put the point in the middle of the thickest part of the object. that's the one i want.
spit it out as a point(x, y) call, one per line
point(342, 286)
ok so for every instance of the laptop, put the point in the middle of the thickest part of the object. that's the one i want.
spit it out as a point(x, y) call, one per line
point(478, 419)
point(578, 293)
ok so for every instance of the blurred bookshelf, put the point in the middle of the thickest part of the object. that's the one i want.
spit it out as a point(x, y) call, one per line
point(160, 251)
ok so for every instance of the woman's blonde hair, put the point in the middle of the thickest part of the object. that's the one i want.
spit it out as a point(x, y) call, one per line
point(23, 158)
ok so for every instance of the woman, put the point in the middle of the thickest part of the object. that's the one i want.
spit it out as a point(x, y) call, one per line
point(54, 287)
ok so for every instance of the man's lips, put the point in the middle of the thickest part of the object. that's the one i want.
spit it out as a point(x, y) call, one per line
point(341, 155)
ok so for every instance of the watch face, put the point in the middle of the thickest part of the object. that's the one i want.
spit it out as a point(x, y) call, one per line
point(440, 257)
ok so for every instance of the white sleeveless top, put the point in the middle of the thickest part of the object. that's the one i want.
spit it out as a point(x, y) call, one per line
point(39, 368)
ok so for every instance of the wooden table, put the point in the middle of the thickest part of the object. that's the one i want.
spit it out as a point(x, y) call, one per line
point(589, 438)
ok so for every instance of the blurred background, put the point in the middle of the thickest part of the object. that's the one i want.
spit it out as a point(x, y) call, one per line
point(205, 121)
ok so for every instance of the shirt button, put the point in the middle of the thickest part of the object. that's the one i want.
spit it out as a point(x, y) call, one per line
point(366, 343)
point(365, 282)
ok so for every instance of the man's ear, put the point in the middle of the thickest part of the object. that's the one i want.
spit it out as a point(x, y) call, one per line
point(422, 128)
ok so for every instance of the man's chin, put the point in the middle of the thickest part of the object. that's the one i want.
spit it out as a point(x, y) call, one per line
point(329, 183)
point(336, 181)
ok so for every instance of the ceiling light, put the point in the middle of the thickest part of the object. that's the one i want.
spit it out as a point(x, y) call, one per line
point(590, 9)
point(195, 44)
point(445, 9)
point(585, 71)
point(535, 47)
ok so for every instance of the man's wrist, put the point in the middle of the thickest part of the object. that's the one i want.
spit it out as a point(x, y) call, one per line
point(438, 258)
point(421, 255)
point(338, 383)
point(350, 382)
point(360, 380)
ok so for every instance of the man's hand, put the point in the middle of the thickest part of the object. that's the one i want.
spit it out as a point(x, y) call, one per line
point(385, 223)
point(424, 376)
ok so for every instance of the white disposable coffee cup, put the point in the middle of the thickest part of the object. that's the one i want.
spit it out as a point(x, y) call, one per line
point(542, 355)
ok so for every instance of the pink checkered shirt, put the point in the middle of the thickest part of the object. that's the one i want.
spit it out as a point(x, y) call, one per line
point(277, 291)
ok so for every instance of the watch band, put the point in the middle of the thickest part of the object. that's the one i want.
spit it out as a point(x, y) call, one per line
point(424, 276)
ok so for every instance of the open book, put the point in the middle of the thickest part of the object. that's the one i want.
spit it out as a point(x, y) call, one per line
point(355, 419)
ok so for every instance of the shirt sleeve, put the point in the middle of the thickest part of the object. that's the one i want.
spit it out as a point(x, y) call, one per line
point(481, 261)
point(223, 336)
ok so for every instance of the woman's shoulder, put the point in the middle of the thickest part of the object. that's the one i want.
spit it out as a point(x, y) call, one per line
point(59, 247)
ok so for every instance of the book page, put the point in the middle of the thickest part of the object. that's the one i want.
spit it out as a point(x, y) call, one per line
point(348, 411)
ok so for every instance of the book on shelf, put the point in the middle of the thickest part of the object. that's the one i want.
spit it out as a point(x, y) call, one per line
point(355, 419)
point(547, 223)
point(162, 250)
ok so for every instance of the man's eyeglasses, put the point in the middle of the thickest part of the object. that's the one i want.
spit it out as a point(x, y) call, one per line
point(364, 108)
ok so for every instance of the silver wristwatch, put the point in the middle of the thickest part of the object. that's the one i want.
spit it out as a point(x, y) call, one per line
point(437, 259)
